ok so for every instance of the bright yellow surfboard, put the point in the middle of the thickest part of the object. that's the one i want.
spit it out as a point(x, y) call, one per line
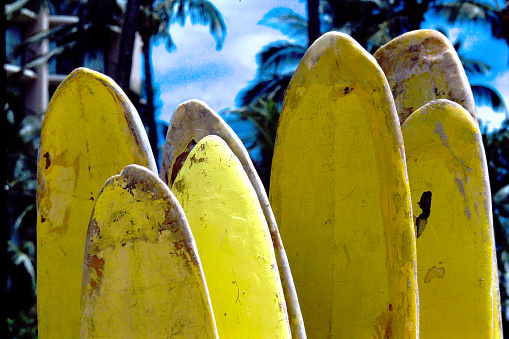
point(341, 198)
point(192, 121)
point(142, 276)
point(234, 243)
point(457, 267)
point(422, 66)
point(91, 131)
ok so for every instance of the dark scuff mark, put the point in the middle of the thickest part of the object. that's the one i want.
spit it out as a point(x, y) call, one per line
point(347, 90)
point(422, 219)
point(179, 161)
point(48, 160)
point(129, 187)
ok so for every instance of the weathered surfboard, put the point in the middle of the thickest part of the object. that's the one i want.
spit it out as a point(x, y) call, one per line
point(422, 66)
point(142, 276)
point(234, 243)
point(341, 197)
point(457, 268)
point(192, 121)
point(91, 131)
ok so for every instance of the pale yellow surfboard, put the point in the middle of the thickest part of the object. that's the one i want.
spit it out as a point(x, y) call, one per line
point(341, 198)
point(91, 131)
point(457, 266)
point(192, 121)
point(142, 276)
point(234, 243)
point(422, 66)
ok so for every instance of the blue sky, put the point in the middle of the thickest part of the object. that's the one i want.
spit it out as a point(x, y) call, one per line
point(197, 71)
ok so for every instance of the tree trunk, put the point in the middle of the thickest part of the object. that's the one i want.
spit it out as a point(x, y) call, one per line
point(149, 119)
point(125, 53)
point(313, 21)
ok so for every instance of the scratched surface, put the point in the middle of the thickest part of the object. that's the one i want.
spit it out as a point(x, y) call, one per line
point(192, 121)
point(234, 243)
point(341, 198)
point(142, 277)
point(422, 66)
point(90, 132)
point(457, 269)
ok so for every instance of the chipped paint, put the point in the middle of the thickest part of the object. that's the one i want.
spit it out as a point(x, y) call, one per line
point(142, 276)
point(234, 242)
point(434, 272)
point(445, 156)
point(422, 66)
point(193, 120)
point(90, 132)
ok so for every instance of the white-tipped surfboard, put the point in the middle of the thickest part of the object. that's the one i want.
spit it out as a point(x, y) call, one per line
point(457, 266)
point(234, 243)
point(422, 66)
point(91, 131)
point(192, 121)
point(142, 276)
point(340, 195)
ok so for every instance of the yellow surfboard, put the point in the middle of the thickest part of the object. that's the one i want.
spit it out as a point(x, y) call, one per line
point(142, 276)
point(341, 198)
point(234, 243)
point(192, 121)
point(457, 268)
point(422, 66)
point(91, 131)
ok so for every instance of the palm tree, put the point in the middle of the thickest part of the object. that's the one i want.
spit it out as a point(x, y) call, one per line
point(155, 19)
point(372, 23)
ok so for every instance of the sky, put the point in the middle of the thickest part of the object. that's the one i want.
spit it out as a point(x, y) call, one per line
point(197, 71)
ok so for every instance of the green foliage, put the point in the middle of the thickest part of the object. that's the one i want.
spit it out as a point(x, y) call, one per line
point(24, 325)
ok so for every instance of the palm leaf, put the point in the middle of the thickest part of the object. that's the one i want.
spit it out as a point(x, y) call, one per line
point(287, 22)
point(278, 54)
point(271, 88)
point(205, 13)
point(199, 11)
point(485, 95)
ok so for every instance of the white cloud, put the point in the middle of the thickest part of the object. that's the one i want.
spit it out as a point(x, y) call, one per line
point(234, 66)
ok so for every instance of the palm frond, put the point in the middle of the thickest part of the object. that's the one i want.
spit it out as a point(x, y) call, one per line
point(199, 11)
point(278, 54)
point(205, 13)
point(271, 88)
point(485, 95)
point(265, 115)
point(287, 22)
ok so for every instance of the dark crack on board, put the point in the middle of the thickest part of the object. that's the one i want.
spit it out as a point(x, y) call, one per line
point(422, 219)
point(48, 160)
point(179, 161)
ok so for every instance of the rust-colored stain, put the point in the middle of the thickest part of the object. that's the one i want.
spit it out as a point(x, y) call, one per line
point(98, 265)
point(179, 161)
